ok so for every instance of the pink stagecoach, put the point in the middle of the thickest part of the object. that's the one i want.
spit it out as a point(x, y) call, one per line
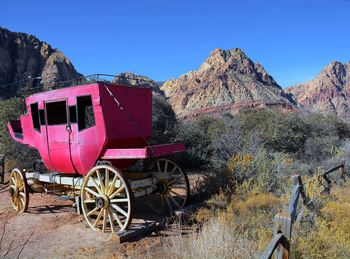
point(88, 138)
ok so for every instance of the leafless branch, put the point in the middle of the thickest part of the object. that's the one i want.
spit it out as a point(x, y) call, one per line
point(25, 243)
point(8, 249)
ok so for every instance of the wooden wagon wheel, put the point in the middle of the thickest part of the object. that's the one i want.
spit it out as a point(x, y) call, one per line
point(19, 191)
point(107, 200)
point(173, 187)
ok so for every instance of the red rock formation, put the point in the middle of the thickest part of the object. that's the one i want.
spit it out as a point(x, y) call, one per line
point(225, 82)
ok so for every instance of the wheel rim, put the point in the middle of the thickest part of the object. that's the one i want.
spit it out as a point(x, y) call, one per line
point(18, 191)
point(107, 200)
point(173, 187)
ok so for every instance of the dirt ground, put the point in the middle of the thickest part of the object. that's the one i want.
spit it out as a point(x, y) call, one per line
point(52, 228)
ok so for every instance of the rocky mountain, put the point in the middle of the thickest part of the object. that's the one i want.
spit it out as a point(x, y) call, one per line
point(226, 82)
point(27, 62)
point(329, 92)
point(137, 80)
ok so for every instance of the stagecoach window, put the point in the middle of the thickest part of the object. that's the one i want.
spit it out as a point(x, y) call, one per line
point(73, 114)
point(86, 117)
point(56, 113)
point(35, 115)
point(42, 117)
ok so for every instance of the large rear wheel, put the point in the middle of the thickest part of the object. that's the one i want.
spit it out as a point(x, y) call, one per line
point(173, 188)
point(106, 199)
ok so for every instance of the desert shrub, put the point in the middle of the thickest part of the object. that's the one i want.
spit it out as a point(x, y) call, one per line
point(319, 148)
point(164, 122)
point(198, 136)
point(18, 154)
point(217, 239)
point(268, 170)
point(328, 235)
point(295, 132)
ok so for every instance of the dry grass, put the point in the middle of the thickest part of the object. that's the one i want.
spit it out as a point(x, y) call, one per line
point(217, 239)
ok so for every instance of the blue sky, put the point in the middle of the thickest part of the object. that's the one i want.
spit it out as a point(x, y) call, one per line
point(293, 40)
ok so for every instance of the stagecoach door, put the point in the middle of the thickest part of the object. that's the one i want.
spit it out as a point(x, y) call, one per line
point(58, 136)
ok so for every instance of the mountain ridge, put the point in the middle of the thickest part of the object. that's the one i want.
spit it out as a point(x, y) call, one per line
point(226, 81)
point(27, 62)
point(328, 92)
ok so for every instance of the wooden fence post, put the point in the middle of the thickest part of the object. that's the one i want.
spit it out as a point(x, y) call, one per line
point(283, 225)
point(283, 222)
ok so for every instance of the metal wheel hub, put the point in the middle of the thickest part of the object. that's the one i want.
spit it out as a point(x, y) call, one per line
point(102, 202)
point(162, 187)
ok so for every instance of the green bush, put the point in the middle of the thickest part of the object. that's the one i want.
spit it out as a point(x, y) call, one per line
point(198, 136)
point(19, 154)
point(164, 122)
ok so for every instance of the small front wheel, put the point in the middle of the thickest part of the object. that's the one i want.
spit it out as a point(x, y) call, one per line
point(19, 190)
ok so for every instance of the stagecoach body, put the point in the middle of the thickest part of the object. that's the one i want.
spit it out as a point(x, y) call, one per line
point(87, 136)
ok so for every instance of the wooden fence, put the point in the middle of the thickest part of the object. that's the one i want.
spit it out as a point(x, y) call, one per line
point(283, 222)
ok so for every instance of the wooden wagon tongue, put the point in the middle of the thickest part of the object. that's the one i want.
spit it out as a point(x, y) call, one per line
point(83, 140)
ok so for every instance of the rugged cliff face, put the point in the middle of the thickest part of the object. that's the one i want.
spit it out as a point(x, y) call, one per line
point(225, 82)
point(137, 80)
point(24, 57)
point(328, 93)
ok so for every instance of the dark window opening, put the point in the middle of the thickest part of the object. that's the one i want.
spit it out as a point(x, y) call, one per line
point(42, 117)
point(35, 116)
point(56, 113)
point(73, 114)
point(86, 117)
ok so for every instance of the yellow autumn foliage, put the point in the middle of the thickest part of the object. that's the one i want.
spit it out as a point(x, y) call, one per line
point(239, 160)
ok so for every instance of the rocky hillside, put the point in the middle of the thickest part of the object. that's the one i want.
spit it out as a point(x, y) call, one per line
point(329, 92)
point(24, 57)
point(225, 82)
point(137, 80)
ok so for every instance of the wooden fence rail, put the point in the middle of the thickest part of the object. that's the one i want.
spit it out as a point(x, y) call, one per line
point(283, 222)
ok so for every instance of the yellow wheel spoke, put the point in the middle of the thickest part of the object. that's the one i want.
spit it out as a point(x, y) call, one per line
point(116, 192)
point(111, 189)
point(18, 205)
point(22, 194)
point(119, 200)
point(104, 221)
point(177, 194)
point(89, 201)
point(158, 166)
point(12, 186)
point(92, 192)
point(97, 186)
point(174, 201)
point(172, 171)
point(98, 217)
point(115, 215)
point(117, 208)
point(92, 211)
point(14, 181)
point(106, 182)
point(166, 166)
point(100, 181)
point(111, 220)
